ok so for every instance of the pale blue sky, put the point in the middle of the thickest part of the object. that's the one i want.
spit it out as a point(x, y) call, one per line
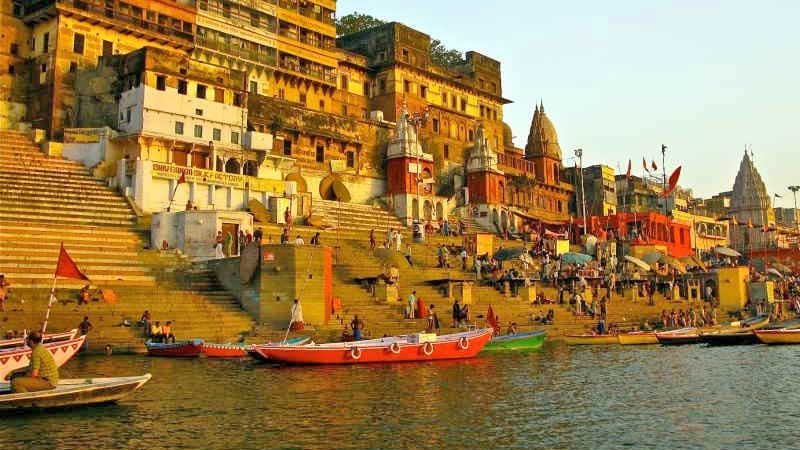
point(619, 78)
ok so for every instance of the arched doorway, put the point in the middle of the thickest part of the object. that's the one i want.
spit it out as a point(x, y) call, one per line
point(440, 210)
point(332, 188)
point(504, 220)
point(415, 209)
point(251, 168)
point(428, 210)
point(302, 185)
point(232, 166)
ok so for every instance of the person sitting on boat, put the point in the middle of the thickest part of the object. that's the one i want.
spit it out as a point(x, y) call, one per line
point(42, 371)
point(512, 328)
point(166, 333)
point(601, 326)
point(155, 332)
point(357, 325)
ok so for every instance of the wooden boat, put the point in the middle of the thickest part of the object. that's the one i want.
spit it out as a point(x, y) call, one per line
point(591, 339)
point(70, 393)
point(241, 350)
point(180, 349)
point(518, 341)
point(15, 359)
point(638, 338)
point(774, 337)
point(408, 348)
point(683, 336)
point(737, 333)
point(294, 341)
point(53, 337)
point(790, 324)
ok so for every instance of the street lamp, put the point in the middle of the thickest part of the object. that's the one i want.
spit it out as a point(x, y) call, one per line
point(579, 155)
point(794, 190)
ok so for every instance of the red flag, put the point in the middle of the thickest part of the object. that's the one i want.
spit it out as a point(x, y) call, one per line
point(67, 268)
point(182, 179)
point(491, 319)
point(653, 165)
point(628, 174)
point(644, 164)
point(673, 183)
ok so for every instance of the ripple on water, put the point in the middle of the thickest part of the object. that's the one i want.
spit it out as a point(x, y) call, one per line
point(561, 397)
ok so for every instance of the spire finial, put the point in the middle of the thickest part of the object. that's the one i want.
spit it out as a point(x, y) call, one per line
point(541, 105)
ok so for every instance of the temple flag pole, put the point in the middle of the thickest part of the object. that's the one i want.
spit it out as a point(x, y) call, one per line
point(50, 303)
point(65, 267)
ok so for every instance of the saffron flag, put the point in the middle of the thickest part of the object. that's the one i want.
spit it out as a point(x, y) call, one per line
point(644, 164)
point(673, 183)
point(182, 179)
point(653, 165)
point(66, 267)
point(628, 174)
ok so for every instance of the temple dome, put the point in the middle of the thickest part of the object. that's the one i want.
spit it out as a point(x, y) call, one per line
point(543, 138)
point(750, 201)
point(508, 135)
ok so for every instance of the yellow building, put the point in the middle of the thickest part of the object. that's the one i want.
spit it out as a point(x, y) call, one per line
point(14, 72)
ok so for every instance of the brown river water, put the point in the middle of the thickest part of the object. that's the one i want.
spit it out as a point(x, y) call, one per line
point(556, 398)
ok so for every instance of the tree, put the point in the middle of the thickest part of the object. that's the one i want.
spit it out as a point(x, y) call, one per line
point(355, 22)
point(444, 56)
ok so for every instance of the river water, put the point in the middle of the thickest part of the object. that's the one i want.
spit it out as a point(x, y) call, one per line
point(557, 398)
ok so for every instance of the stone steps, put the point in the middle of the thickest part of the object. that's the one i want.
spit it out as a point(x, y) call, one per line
point(34, 184)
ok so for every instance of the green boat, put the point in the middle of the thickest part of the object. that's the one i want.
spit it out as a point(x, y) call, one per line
point(518, 341)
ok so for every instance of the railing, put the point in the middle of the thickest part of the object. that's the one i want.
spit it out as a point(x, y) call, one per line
point(138, 21)
point(516, 162)
point(329, 77)
point(250, 55)
point(308, 11)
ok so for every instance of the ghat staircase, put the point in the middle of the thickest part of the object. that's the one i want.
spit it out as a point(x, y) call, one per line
point(45, 201)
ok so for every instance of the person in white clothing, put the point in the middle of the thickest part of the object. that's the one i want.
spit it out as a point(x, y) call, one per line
point(398, 241)
point(297, 323)
point(299, 240)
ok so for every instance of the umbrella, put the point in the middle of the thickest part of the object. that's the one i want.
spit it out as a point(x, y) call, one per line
point(653, 257)
point(725, 251)
point(575, 258)
point(675, 264)
point(637, 262)
point(772, 271)
point(781, 267)
point(505, 254)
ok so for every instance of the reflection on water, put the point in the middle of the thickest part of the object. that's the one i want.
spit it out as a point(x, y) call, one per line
point(561, 397)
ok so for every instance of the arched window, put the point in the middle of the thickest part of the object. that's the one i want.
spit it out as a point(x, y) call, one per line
point(232, 166)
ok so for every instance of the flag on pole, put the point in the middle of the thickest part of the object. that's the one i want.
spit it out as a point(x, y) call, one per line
point(182, 179)
point(66, 267)
point(491, 319)
point(653, 165)
point(778, 195)
point(672, 183)
point(628, 173)
point(644, 164)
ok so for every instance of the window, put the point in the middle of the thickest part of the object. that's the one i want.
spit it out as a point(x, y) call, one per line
point(405, 54)
point(255, 20)
point(11, 69)
point(382, 86)
point(178, 127)
point(198, 112)
point(254, 87)
point(444, 98)
point(219, 95)
point(471, 135)
point(463, 104)
point(322, 105)
point(73, 67)
point(128, 114)
point(320, 154)
point(287, 147)
point(483, 111)
point(237, 99)
point(366, 89)
point(423, 92)
point(108, 48)
point(161, 83)
point(46, 42)
point(351, 159)
point(406, 86)
point(78, 42)
point(303, 98)
point(281, 93)
point(234, 137)
point(446, 151)
point(217, 134)
point(183, 87)
point(453, 101)
point(14, 48)
point(345, 82)
point(198, 131)
point(33, 44)
point(201, 91)
point(435, 125)
point(44, 68)
point(344, 110)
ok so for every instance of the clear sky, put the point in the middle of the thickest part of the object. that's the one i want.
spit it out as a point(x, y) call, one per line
point(619, 78)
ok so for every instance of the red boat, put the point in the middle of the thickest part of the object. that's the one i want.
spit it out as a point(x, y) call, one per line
point(684, 336)
point(182, 349)
point(226, 350)
point(393, 349)
point(53, 337)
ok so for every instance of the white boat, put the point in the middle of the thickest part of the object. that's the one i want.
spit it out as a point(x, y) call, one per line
point(55, 337)
point(77, 392)
point(20, 357)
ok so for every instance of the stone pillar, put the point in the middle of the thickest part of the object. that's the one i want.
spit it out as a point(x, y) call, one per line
point(142, 183)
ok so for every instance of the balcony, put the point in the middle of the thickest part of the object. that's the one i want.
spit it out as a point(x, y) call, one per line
point(239, 52)
point(292, 65)
point(323, 15)
point(506, 161)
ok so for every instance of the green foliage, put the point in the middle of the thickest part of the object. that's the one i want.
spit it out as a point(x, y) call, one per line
point(355, 22)
point(443, 56)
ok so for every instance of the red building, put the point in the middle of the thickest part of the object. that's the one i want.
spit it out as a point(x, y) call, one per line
point(649, 229)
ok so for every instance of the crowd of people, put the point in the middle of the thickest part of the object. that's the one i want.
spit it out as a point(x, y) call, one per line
point(156, 332)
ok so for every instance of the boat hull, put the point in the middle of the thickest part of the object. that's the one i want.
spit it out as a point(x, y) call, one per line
point(778, 337)
point(519, 341)
point(638, 338)
point(185, 349)
point(19, 358)
point(738, 338)
point(589, 339)
point(259, 357)
point(71, 393)
point(55, 337)
point(381, 351)
point(680, 337)
point(225, 350)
